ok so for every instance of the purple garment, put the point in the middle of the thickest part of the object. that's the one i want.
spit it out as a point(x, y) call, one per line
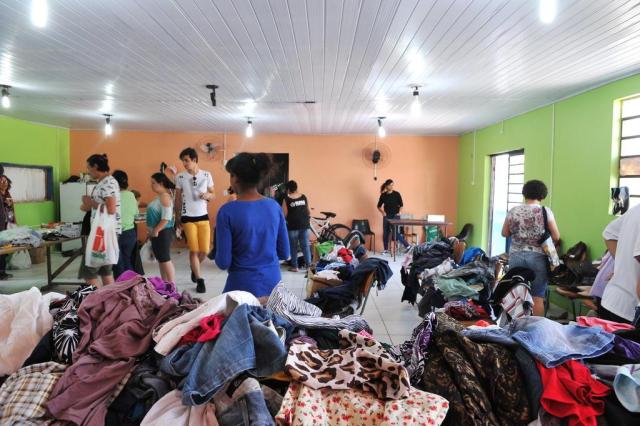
point(163, 288)
point(413, 351)
point(116, 322)
point(626, 348)
point(605, 271)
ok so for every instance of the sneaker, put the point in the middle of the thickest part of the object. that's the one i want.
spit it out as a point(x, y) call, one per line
point(200, 288)
point(385, 253)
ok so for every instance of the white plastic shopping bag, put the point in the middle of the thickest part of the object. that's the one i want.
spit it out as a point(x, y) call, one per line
point(102, 245)
point(146, 252)
point(20, 260)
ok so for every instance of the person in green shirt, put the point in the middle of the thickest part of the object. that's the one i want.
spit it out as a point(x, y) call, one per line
point(128, 239)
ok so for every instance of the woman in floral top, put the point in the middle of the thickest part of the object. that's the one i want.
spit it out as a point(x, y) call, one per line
point(525, 225)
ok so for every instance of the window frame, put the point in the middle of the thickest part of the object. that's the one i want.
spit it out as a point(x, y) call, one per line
point(48, 172)
point(621, 138)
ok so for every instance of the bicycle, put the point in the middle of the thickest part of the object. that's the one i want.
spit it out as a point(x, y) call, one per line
point(324, 230)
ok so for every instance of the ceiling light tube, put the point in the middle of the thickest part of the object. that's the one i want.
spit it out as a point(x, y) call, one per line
point(381, 131)
point(108, 130)
point(547, 11)
point(249, 130)
point(39, 13)
point(6, 102)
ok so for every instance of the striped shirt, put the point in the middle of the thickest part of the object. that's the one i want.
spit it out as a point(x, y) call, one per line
point(306, 315)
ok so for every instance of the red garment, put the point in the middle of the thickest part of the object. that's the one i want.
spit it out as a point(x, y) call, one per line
point(208, 329)
point(346, 255)
point(608, 326)
point(569, 392)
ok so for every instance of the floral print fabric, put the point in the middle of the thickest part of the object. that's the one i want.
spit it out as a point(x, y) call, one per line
point(303, 405)
point(526, 225)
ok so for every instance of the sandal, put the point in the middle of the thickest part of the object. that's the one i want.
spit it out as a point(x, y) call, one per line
point(294, 270)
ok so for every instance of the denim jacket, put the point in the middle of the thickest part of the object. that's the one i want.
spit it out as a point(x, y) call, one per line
point(246, 343)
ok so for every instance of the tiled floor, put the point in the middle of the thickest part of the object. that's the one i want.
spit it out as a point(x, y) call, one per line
point(392, 321)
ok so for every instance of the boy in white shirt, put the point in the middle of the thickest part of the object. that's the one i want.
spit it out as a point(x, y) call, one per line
point(194, 189)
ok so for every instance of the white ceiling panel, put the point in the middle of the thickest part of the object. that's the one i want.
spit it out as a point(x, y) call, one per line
point(147, 62)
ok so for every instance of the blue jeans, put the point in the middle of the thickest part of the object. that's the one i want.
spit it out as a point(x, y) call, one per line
point(299, 237)
point(245, 343)
point(387, 232)
point(535, 261)
point(552, 343)
point(127, 242)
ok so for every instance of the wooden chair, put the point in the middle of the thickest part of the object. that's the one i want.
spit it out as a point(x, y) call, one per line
point(365, 290)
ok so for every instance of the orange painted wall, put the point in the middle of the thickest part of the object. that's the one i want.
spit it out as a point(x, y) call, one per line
point(329, 169)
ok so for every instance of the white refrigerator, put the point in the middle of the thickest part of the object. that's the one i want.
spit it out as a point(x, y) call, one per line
point(70, 202)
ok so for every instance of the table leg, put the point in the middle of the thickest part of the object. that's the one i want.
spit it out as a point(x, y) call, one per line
point(394, 241)
point(49, 277)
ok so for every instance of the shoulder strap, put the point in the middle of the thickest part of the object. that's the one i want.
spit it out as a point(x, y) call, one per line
point(544, 218)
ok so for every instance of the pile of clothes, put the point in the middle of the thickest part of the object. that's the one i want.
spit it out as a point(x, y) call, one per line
point(138, 353)
point(578, 374)
point(20, 236)
point(344, 298)
point(463, 289)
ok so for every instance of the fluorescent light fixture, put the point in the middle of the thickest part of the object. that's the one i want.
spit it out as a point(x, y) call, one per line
point(381, 131)
point(547, 11)
point(6, 102)
point(108, 130)
point(249, 130)
point(39, 13)
point(107, 105)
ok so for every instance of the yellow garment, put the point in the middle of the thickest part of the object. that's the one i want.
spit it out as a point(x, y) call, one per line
point(198, 236)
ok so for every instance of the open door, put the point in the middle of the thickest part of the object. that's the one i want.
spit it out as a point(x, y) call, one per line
point(507, 178)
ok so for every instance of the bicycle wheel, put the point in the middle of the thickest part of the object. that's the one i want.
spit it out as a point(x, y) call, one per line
point(338, 232)
point(351, 234)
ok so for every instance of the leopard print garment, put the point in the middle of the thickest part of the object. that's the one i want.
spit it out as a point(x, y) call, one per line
point(362, 363)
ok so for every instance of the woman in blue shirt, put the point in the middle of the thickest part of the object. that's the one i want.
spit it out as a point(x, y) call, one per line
point(251, 233)
point(160, 222)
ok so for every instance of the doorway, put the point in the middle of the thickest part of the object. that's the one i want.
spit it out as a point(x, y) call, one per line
point(507, 179)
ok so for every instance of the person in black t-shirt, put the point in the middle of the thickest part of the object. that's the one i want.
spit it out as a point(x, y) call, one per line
point(296, 210)
point(390, 205)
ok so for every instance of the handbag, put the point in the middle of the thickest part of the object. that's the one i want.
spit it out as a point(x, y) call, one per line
point(547, 244)
point(102, 246)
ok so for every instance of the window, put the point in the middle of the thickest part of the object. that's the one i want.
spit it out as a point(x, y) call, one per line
point(507, 179)
point(630, 148)
point(30, 183)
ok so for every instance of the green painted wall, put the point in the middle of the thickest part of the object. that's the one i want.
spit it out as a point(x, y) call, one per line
point(576, 158)
point(22, 142)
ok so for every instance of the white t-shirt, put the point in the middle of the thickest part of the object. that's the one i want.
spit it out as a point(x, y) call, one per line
point(192, 187)
point(620, 296)
point(108, 187)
